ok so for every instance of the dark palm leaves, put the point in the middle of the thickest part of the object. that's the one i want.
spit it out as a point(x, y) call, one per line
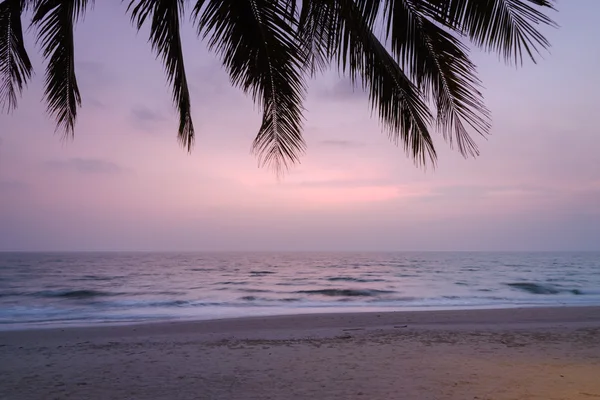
point(507, 27)
point(15, 67)
point(437, 62)
point(166, 41)
point(259, 48)
point(270, 46)
point(351, 42)
point(54, 20)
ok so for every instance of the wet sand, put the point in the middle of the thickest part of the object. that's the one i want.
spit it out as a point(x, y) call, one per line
point(535, 353)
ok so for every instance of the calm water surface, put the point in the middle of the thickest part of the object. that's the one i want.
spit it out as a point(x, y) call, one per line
point(91, 288)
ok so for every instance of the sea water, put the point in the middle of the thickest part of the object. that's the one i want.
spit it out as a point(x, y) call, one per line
point(58, 289)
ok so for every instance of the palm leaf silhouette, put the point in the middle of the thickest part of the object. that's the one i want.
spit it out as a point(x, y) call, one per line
point(15, 66)
point(258, 45)
point(411, 56)
point(164, 36)
point(54, 20)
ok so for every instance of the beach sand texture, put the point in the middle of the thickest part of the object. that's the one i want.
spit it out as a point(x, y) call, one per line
point(549, 353)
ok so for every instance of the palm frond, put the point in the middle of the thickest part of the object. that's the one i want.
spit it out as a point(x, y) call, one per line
point(313, 35)
point(352, 44)
point(166, 41)
point(28, 4)
point(507, 27)
point(15, 66)
point(259, 47)
point(439, 64)
point(54, 20)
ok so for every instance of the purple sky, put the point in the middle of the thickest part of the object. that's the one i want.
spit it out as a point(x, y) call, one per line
point(125, 183)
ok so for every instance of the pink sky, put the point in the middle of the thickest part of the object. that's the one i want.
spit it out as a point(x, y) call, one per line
point(125, 184)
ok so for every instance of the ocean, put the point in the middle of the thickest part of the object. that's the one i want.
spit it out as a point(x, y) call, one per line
point(60, 289)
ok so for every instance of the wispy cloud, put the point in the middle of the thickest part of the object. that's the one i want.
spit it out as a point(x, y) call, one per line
point(211, 87)
point(91, 66)
point(85, 166)
point(145, 114)
point(343, 90)
point(96, 103)
point(472, 191)
point(146, 119)
point(344, 183)
point(96, 74)
point(341, 143)
point(12, 186)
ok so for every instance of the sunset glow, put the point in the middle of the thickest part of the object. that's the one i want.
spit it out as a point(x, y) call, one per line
point(125, 183)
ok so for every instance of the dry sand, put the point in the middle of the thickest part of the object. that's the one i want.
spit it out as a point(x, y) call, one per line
point(550, 353)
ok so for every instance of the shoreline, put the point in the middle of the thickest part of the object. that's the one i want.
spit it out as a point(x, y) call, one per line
point(499, 354)
point(85, 324)
point(487, 318)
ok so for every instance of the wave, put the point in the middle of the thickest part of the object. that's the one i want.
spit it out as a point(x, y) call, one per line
point(393, 300)
point(250, 298)
point(172, 303)
point(98, 278)
point(255, 290)
point(350, 279)
point(133, 304)
point(75, 294)
point(537, 288)
point(262, 272)
point(264, 299)
point(346, 292)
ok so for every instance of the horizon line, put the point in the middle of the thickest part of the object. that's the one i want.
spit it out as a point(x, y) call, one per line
point(299, 251)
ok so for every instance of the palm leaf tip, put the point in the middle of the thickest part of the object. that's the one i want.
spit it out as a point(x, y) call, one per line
point(260, 49)
point(456, 90)
point(164, 17)
point(15, 66)
point(55, 21)
point(439, 65)
point(352, 42)
point(507, 27)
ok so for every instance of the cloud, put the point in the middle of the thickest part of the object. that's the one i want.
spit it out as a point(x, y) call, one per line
point(96, 103)
point(144, 114)
point(341, 143)
point(211, 86)
point(348, 195)
point(343, 90)
point(12, 186)
point(211, 77)
point(472, 191)
point(85, 166)
point(95, 74)
point(91, 66)
point(345, 193)
point(146, 119)
point(343, 183)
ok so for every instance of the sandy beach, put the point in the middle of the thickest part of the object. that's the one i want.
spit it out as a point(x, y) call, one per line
point(536, 353)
